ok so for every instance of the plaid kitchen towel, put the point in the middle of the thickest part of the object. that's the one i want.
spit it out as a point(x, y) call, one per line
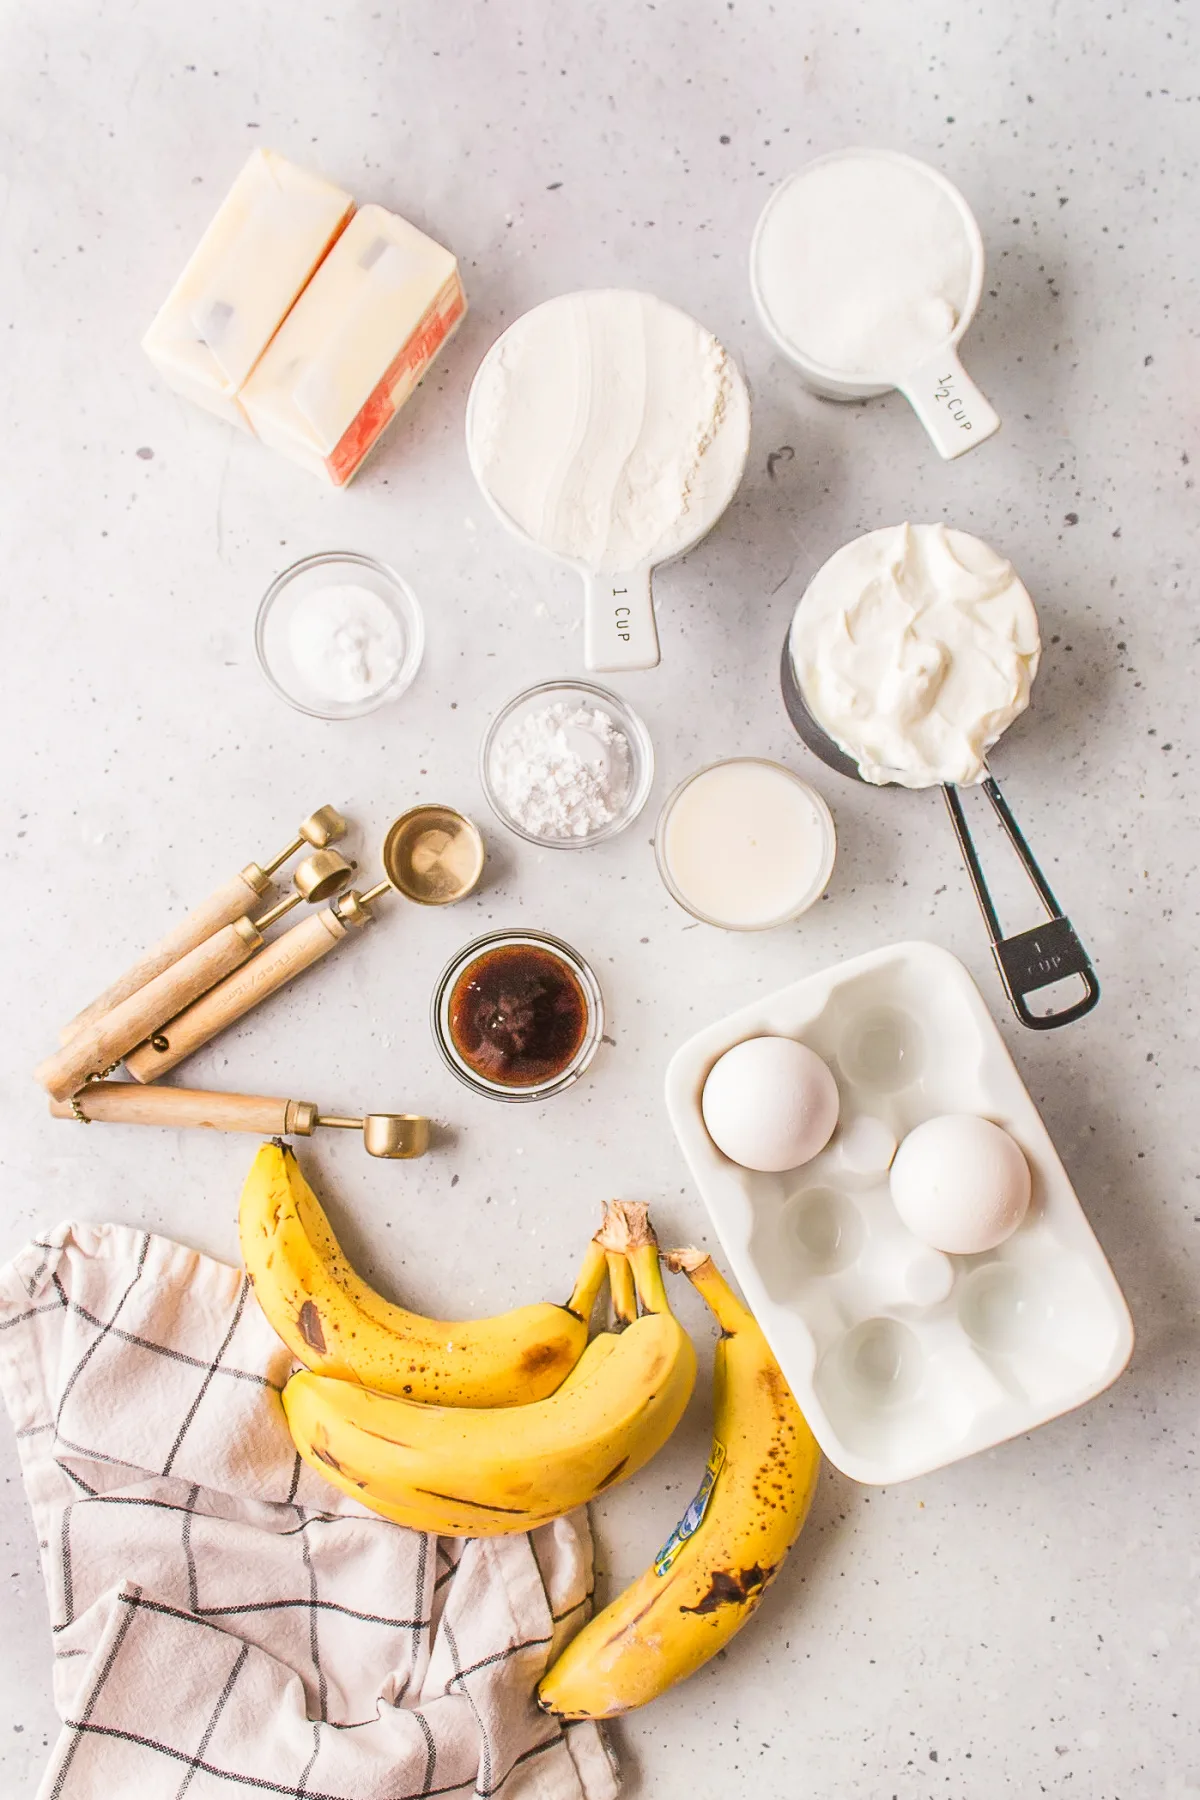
point(224, 1622)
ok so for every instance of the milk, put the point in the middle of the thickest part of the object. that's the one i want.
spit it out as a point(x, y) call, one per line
point(745, 844)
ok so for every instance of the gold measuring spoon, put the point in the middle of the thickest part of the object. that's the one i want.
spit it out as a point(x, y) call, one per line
point(394, 1136)
point(229, 902)
point(431, 854)
point(99, 1046)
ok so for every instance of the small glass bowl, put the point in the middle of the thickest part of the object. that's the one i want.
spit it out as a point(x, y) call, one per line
point(820, 881)
point(334, 568)
point(536, 699)
point(440, 1015)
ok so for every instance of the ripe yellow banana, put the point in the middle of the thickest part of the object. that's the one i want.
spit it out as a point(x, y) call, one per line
point(714, 1568)
point(335, 1324)
point(483, 1472)
point(465, 1518)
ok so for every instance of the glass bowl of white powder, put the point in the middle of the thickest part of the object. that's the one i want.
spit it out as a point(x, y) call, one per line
point(339, 634)
point(566, 764)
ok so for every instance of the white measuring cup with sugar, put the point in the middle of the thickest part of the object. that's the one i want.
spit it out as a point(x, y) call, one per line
point(950, 406)
point(610, 431)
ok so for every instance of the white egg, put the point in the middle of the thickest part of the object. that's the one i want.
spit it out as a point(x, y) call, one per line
point(770, 1104)
point(960, 1183)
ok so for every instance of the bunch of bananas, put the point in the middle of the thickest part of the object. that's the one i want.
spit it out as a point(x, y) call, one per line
point(464, 1429)
point(495, 1426)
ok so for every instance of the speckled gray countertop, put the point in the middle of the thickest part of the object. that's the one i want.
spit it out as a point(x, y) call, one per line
point(1024, 1622)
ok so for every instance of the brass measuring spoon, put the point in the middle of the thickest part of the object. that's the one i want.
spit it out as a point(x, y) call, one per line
point(99, 1046)
point(432, 855)
point(397, 1137)
point(321, 828)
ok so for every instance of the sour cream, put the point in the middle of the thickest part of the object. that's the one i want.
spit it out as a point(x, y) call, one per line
point(915, 647)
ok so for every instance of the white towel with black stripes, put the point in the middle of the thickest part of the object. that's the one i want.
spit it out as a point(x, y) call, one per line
point(224, 1622)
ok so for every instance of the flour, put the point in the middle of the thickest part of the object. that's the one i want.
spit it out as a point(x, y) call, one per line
point(562, 772)
point(611, 428)
point(345, 642)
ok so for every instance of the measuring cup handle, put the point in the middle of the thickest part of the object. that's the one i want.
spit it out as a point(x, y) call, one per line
point(618, 623)
point(1036, 958)
point(949, 405)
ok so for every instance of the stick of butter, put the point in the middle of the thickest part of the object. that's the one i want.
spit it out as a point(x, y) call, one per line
point(270, 232)
point(355, 344)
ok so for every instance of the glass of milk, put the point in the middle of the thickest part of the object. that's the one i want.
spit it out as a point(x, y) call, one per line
point(745, 844)
point(866, 268)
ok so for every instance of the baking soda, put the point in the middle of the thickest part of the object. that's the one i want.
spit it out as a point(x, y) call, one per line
point(345, 642)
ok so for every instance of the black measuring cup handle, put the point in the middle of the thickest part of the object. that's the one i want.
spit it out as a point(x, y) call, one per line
point(1036, 958)
point(1030, 960)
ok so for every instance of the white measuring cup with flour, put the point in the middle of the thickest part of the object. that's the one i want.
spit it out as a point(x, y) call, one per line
point(611, 431)
point(866, 268)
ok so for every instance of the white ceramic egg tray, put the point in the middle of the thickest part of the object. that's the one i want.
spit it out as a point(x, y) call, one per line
point(904, 1359)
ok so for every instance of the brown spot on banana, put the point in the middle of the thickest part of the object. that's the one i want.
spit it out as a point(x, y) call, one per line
point(628, 1627)
point(568, 1718)
point(542, 1356)
point(473, 1505)
point(614, 1474)
point(771, 1378)
point(384, 1437)
point(729, 1589)
point(309, 1321)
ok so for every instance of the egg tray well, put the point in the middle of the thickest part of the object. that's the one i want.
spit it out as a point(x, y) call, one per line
point(904, 1359)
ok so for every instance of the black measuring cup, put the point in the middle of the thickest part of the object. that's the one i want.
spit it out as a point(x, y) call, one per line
point(1026, 962)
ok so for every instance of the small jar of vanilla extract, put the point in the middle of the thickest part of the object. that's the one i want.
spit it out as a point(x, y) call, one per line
point(518, 1015)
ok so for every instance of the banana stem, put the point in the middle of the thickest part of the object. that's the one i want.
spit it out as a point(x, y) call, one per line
point(621, 1286)
point(627, 1231)
point(626, 1226)
point(731, 1315)
point(588, 1282)
point(648, 1279)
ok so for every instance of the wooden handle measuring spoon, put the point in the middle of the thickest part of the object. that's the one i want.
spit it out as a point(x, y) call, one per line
point(227, 903)
point(397, 1137)
point(99, 1046)
point(125, 1103)
point(187, 1029)
point(431, 854)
